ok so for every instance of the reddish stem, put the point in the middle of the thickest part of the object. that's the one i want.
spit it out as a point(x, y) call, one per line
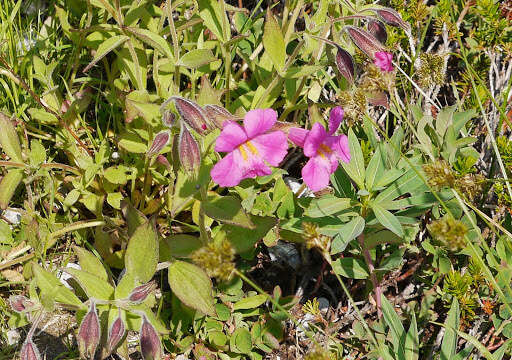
point(373, 276)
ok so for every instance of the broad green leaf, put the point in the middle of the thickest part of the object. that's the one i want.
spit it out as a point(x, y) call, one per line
point(196, 58)
point(351, 268)
point(387, 219)
point(192, 286)
point(250, 302)
point(449, 344)
point(37, 154)
point(141, 257)
point(8, 186)
point(347, 233)
point(106, 47)
point(211, 13)
point(395, 324)
point(90, 263)
point(407, 183)
point(227, 209)
point(51, 286)
point(412, 341)
point(134, 218)
point(93, 286)
point(9, 141)
point(241, 341)
point(243, 239)
point(327, 205)
point(180, 245)
point(153, 40)
point(273, 41)
point(5, 233)
point(355, 168)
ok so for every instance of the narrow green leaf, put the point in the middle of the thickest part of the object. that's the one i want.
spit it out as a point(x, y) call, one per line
point(8, 186)
point(407, 183)
point(412, 341)
point(375, 169)
point(51, 287)
point(9, 141)
point(351, 268)
point(196, 58)
point(348, 232)
point(141, 257)
point(251, 302)
point(93, 286)
point(355, 168)
point(395, 324)
point(387, 219)
point(273, 41)
point(192, 286)
point(106, 47)
point(449, 344)
point(90, 263)
point(326, 206)
point(211, 13)
point(154, 40)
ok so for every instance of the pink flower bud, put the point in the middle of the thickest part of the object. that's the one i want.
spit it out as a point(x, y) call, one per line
point(188, 151)
point(378, 30)
point(89, 333)
point(192, 114)
point(150, 346)
point(168, 118)
point(163, 160)
point(345, 64)
point(159, 142)
point(29, 351)
point(218, 115)
point(365, 41)
point(384, 61)
point(391, 17)
point(115, 333)
point(20, 303)
point(140, 293)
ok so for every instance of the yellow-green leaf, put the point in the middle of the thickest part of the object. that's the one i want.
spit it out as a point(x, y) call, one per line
point(141, 255)
point(8, 186)
point(9, 139)
point(273, 41)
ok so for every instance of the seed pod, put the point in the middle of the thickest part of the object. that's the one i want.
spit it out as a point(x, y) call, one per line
point(140, 293)
point(391, 17)
point(159, 142)
point(217, 115)
point(378, 30)
point(188, 151)
point(365, 41)
point(20, 303)
point(378, 98)
point(29, 351)
point(345, 64)
point(192, 114)
point(89, 333)
point(163, 160)
point(116, 333)
point(150, 346)
point(168, 118)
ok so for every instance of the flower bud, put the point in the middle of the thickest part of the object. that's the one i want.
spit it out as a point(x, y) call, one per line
point(150, 346)
point(345, 64)
point(159, 142)
point(20, 303)
point(115, 333)
point(140, 293)
point(378, 30)
point(89, 333)
point(163, 161)
point(29, 351)
point(188, 151)
point(364, 41)
point(391, 17)
point(217, 115)
point(168, 118)
point(192, 114)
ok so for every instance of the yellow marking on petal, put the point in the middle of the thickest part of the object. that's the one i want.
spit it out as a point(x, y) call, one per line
point(321, 153)
point(252, 148)
point(325, 148)
point(243, 152)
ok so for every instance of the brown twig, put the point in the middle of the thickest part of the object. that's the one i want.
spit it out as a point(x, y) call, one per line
point(49, 110)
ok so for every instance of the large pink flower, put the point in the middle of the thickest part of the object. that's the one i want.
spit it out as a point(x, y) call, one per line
point(250, 148)
point(323, 148)
point(384, 61)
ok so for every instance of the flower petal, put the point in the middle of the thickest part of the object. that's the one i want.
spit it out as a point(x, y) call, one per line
point(341, 148)
point(335, 118)
point(259, 121)
point(227, 171)
point(272, 147)
point(231, 136)
point(315, 138)
point(298, 136)
point(384, 61)
point(316, 173)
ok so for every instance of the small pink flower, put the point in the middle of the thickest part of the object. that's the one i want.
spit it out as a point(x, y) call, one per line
point(250, 148)
point(384, 61)
point(323, 148)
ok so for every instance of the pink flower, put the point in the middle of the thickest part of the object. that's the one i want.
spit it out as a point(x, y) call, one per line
point(323, 148)
point(384, 61)
point(250, 148)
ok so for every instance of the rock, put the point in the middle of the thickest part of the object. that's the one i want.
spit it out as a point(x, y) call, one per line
point(285, 254)
point(12, 215)
point(13, 337)
point(323, 305)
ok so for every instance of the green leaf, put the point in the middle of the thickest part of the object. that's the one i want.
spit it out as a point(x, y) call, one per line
point(351, 268)
point(90, 263)
point(196, 58)
point(192, 286)
point(273, 41)
point(407, 183)
point(394, 323)
point(327, 205)
point(93, 286)
point(227, 209)
point(153, 40)
point(387, 219)
point(355, 168)
point(5, 233)
point(141, 257)
point(412, 341)
point(51, 287)
point(37, 153)
point(9, 141)
point(241, 341)
point(8, 186)
point(106, 47)
point(134, 218)
point(180, 246)
point(347, 233)
point(210, 12)
point(244, 239)
point(117, 175)
point(374, 170)
point(449, 344)
point(250, 302)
